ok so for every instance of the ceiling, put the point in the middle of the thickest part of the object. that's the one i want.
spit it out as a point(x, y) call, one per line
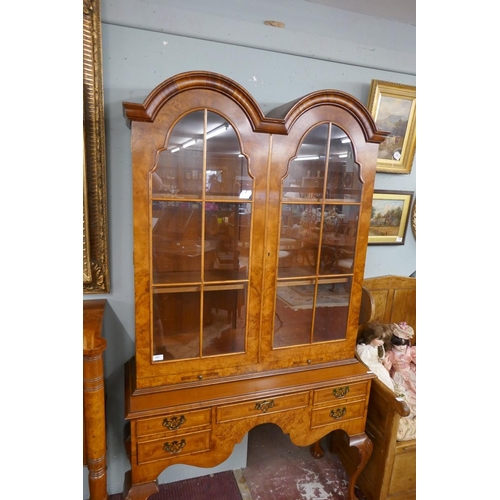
point(403, 11)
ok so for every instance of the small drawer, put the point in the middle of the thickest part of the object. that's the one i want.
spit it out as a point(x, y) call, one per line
point(262, 407)
point(173, 422)
point(169, 448)
point(338, 413)
point(337, 393)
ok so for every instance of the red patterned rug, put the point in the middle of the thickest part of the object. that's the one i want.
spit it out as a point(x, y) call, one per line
point(220, 486)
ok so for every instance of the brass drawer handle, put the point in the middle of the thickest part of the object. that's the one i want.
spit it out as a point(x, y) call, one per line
point(174, 422)
point(338, 413)
point(341, 392)
point(174, 446)
point(264, 406)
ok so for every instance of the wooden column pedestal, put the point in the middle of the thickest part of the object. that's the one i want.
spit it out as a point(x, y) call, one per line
point(94, 418)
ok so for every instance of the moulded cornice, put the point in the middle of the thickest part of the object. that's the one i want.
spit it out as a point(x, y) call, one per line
point(338, 99)
point(278, 121)
point(158, 97)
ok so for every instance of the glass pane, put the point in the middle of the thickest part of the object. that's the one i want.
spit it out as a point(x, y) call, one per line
point(180, 167)
point(294, 314)
point(299, 240)
point(306, 175)
point(338, 239)
point(227, 172)
point(317, 240)
point(296, 309)
point(227, 235)
point(332, 305)
point(343, 173)
point(177, 244)
point(176, 325)
point(224, 321)
point(201, 215)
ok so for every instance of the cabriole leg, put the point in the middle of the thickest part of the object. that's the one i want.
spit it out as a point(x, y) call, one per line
point(138, 491)
point(354, 458)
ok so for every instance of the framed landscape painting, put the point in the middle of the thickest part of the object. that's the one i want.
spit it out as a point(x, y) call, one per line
point(393, 107)
point(389, 217)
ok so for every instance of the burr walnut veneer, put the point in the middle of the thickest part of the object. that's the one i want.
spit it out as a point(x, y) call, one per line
point(94, 416)
point(244, 312)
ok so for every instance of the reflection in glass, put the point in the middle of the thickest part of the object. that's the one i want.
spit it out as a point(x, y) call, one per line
point(176, 325)
point(294, 315)
point(299, 240)
point(307, 179)
point(201, 219)
point(298, 305)
point(319, 219)
point(178, 314)
point(226, 172)
point(228, 232)
point(332, 304)
point(180, 170)
point(180, 166)
point(343, 173)
point(338, 239)
point(306, 175)
point(224, 325)
point(300, 237)
point(177, 249)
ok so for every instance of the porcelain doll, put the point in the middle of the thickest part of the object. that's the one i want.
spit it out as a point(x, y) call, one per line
point(401, 361)
point(370, 349)
point(374, 348)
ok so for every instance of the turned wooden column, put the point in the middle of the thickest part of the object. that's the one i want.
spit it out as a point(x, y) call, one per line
point(94, 417)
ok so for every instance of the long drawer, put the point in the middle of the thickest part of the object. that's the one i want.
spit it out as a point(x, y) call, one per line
point(257, 407)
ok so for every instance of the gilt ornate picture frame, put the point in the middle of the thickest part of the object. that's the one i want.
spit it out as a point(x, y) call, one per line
point(393, 107)
point(414, 218)
point(95, 225)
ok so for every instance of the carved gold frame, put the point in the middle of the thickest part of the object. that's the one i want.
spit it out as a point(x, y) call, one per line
point(95, 224)
point(414, 218)
point(400, 101)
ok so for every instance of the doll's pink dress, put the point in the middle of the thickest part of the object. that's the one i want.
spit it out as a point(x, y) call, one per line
point(401, 361)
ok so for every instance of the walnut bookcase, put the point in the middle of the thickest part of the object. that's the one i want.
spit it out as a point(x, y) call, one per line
point(243, 315)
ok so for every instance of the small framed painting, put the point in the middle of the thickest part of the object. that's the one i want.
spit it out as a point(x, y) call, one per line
point(389, 217)
point(393, 107)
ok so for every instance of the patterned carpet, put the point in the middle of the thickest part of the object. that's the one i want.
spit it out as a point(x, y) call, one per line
point(220, 486)
point(301, 296)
